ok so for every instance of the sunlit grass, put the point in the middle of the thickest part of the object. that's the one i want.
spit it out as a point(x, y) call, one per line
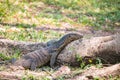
point(97, 14)
point(28, 34)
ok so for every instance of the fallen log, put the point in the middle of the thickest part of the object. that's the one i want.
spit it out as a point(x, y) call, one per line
point(106, 48)
point(99, 73)
point(21, 74)
point(10, 46)
point(89, 74)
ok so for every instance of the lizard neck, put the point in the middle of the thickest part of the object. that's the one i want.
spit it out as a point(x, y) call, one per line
point(62, 42)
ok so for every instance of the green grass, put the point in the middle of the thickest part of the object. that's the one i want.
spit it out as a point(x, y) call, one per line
point(97, 14)
point(30, 77)
point(28, 34)
point(6, 56)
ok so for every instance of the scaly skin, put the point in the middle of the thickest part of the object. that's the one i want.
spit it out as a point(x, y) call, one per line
point(44, 55)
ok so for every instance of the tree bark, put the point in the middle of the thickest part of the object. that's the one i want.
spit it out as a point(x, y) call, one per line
point(103, 73)
point(20, 74)
point(10, 46)
point(106, 48)
point(90, 74)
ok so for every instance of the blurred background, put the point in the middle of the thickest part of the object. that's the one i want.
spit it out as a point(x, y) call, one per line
point(42, 20)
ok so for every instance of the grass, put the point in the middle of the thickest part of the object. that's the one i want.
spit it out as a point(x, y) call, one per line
point(103, 15)
point(28, 34)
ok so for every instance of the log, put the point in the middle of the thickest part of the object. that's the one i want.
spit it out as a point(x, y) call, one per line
point(103, 73)
point(90, 74)
point(106, 48)
point(10, 46)
point(21, 74)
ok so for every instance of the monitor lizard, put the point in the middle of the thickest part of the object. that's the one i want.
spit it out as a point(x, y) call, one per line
point(44, 55)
